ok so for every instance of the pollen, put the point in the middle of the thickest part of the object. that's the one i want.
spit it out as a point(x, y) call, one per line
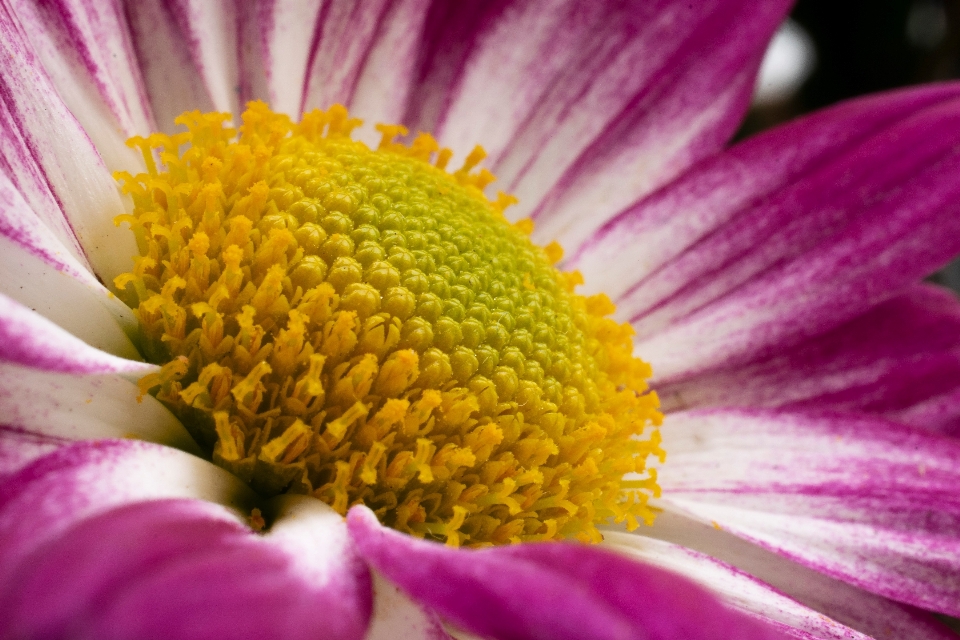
point(365, 326)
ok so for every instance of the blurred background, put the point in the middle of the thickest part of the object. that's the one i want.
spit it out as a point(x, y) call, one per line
point(830, 50)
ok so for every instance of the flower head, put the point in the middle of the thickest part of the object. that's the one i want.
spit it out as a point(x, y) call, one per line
point(348, 324)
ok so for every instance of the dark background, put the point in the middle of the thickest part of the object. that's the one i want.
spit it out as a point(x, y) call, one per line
point(865, 46)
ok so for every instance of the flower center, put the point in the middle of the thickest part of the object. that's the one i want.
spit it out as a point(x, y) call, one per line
point(365, 327)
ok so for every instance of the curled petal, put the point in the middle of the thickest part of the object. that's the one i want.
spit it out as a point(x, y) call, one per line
point(121, 540)
point(547, 590)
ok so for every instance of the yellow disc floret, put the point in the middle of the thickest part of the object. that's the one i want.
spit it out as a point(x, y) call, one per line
point(366, 327)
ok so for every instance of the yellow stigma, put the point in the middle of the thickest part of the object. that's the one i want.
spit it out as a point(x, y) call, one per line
point(366, 327)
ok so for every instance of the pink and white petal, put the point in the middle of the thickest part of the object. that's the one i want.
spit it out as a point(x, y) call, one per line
point(20, 448)
point(28, 339)
point(37, 271)
point(546, 590)
point(171, 557)
point(365, 55)
point(82, 407)
point(840, 211)
point(766, 584)
point(54, 384)
point(572, 97)
point(706, 198)
point(188, 52)
point(858, 498)
point(53, 163)
point(277, 36)
point(939, 413)
point(736, 587)
point(87, 51)
point(87, 479)
point(397, 617)
point(902, 353)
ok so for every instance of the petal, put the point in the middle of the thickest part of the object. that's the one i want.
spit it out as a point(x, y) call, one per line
point(397, 617)
point(365, 55)
point(787, 235)
point(546, 590)
point(903, 353)
point(37, 271)
point(87, 479)
point(738, 588)
point(158, 562)
point(86, 49)
point(771, 586)
point(18, 449)
point(589, 106)
point(53, 163)
point(52, 383)
point(277, 40)
point(870, 502)
point(188, 52)
point(31, 340)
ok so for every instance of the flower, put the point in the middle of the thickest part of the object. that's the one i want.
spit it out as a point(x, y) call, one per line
point(809, 379)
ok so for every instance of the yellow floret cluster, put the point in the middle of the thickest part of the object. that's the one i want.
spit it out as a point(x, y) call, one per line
point(366, 327)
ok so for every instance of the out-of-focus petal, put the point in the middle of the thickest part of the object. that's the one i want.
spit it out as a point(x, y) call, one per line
point(397, 617)
point(20, 448)
point(37, 271)
point(586, 107)
point(122, 540)
point(787, 235)
point(188, 52)
point(867, 501)
point(771, 586)
point(86, 49)
point(51, 160)
point(897, 357)
point(547, 590)
point(54, 384)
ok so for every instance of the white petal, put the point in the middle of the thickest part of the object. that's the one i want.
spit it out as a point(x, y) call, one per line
point(47, 152)
point(40, 273)
point(87, 51)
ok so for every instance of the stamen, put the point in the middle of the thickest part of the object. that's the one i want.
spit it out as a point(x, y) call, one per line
point(365, 327)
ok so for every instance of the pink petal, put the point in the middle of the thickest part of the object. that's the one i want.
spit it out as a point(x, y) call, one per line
point(397, 617)
point(53, 163)
point(37, 271)
point(29, 339)
point(119, 563)
point(276, 37)
point(787, 235)
point(759, 580)
point(870, 502)
point(900, 355)
point(546, 590)
point(188, 52)
point(365, 55)
point(18, 449)
point(86, 49)
point(586, 107)
point(738, 588)
point(53, 384)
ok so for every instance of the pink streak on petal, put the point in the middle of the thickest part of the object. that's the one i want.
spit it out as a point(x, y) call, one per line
point(867, 501)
